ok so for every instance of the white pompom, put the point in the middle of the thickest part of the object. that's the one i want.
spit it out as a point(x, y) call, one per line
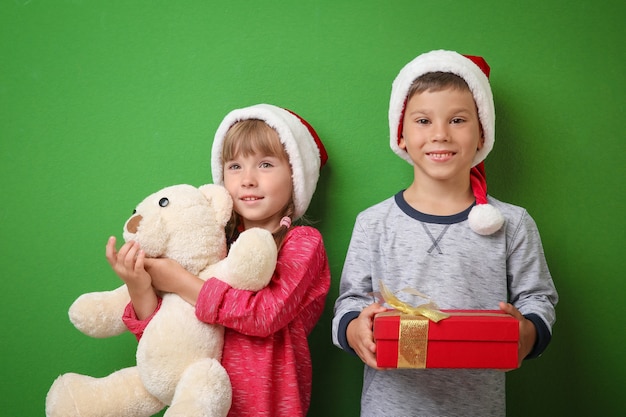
point(485, 219)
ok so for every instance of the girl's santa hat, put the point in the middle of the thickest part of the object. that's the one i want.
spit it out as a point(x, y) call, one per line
point(484, 218)
point(305, 149)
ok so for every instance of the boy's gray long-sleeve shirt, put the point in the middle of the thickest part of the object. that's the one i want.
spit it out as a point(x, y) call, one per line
point(458, 269)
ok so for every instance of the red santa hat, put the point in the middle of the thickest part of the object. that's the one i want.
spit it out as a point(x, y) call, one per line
point(484, 218)
point(303, 146)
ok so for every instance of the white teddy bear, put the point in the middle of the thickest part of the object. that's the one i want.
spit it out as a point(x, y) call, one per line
point(178, 356)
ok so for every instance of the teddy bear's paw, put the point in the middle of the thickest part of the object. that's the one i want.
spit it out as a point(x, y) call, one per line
point(99, 314)
point(121, 393)
point(204, 390)
point(60, 399)
point(252, 259)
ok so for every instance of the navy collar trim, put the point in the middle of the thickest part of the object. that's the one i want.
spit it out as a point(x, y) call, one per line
point(430, 218)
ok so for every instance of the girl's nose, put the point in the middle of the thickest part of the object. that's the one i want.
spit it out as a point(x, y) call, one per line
point(249, 178)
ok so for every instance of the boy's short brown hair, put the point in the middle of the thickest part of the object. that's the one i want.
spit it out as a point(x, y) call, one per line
point(437, 81)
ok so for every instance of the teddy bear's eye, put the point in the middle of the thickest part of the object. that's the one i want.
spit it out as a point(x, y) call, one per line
point(135, 211)
point(164, 202)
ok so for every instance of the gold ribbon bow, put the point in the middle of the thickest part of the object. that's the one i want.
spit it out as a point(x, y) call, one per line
point(428, 310)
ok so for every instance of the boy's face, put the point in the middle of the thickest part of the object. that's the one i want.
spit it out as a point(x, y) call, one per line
point(441, 133)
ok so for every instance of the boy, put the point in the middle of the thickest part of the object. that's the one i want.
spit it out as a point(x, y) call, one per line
point(444, 237)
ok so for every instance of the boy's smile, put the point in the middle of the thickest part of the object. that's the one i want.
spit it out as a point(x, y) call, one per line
point(441, 156)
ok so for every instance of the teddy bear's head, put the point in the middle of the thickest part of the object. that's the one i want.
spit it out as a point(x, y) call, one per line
point(183, 223)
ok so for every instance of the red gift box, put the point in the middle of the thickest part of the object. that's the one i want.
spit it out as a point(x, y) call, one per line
point(485, 339)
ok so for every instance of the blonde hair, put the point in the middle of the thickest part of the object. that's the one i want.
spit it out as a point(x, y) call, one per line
point(248, 137)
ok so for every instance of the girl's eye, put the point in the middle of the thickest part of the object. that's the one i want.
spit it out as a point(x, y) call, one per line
point(164, 202)
point(232, 166)
point(265, 165)
point(422, 121)
point(457, 120)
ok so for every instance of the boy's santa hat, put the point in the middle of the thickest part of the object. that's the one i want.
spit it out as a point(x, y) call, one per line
point(484, 218)
point(305, 149)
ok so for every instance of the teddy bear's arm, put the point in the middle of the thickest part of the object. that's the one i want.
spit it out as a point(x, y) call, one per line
point(250, 263)
point(99, 314)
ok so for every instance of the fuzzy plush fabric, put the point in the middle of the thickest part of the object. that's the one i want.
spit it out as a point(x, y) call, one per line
point(178, 356)
point(266, 352)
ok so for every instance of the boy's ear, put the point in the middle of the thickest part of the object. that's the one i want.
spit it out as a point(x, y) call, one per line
point(481, 141)
point(402, 144)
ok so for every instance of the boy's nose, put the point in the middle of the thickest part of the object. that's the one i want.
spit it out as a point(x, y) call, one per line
point(440, 133)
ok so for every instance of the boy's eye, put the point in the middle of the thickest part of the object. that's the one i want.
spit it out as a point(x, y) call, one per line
point(422, 121)
point(457, 120)
point(232, 166)
point(265, 165)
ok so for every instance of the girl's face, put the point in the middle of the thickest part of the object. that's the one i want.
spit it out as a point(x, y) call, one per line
point(441, 132)
point(261, 187)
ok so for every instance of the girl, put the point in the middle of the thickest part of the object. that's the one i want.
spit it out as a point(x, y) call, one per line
point(269, 160)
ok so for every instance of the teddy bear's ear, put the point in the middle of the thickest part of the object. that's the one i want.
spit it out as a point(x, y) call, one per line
point(220, 200)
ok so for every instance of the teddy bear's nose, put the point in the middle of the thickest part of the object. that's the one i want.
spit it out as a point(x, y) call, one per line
point(133, 223)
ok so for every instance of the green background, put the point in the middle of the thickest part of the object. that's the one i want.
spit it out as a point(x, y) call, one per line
point(104, 102)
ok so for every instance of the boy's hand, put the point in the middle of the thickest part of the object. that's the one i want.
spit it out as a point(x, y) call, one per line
point(527, 331)
point(360, 334)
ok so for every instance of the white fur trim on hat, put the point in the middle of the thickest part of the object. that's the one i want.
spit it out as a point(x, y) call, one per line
point(301, 146)
point(444, 61)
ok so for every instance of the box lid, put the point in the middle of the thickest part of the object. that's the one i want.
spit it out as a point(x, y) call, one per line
point(462, 325)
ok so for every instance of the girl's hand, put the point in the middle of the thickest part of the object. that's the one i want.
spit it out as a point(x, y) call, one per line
point(165, 273)
point(360, 334)
point(128, 264)
point(169, 276)
point(527, 331)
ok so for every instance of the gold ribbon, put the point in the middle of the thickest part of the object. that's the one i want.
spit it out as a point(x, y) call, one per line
point(413, 342)
point(413, 332)
point(428, 310)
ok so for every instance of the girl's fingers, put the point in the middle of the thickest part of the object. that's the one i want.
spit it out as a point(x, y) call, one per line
point(110, 250)
point(140, 258)
point(130, 255)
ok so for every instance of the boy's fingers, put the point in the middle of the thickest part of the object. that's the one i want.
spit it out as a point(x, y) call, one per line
point(511, 310)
